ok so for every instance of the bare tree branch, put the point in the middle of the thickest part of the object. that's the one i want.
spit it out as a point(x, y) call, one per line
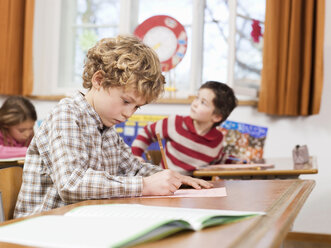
point(242, 36)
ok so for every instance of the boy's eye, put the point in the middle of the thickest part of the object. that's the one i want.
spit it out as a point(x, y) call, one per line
point(125, 101)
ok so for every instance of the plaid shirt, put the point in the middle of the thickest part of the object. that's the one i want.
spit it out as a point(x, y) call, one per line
point(73, 157)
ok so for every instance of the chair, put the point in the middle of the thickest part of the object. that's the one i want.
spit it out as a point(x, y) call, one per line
point(154, 156)
point(10, 184)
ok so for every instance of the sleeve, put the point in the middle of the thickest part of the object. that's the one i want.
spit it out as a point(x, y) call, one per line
point(147, 136)
point(71, 152)
point(225, 158)
point(132, 166)
point(12, 152)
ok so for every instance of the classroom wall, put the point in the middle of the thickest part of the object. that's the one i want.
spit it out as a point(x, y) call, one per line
point(283, 134)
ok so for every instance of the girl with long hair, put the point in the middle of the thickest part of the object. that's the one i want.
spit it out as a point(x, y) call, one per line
point(17, 119)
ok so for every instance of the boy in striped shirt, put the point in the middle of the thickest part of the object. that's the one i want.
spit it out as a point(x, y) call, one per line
point(192, 141)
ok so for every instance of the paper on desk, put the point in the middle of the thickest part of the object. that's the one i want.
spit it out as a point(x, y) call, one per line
point(213, 192)
point(236, 166)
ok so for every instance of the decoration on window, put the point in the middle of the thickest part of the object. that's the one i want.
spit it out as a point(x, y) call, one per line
point(166, 36)
point(256, 31)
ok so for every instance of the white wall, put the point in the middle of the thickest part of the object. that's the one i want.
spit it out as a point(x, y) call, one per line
point(283, 134)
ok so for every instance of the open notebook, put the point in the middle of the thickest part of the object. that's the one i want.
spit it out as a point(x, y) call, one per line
point(114, 225)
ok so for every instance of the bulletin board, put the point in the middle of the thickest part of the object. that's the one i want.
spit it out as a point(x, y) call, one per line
point(129, 130)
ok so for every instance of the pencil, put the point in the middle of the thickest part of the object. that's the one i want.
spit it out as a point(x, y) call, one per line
point(162, 151)
point(238, 159)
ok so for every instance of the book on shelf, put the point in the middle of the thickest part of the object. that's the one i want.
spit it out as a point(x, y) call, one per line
point(114, 225)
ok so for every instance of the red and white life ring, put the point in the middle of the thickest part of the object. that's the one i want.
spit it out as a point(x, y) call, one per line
point(166, 36)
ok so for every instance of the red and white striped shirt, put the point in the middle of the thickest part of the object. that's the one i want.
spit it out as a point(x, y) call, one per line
point(185, 150)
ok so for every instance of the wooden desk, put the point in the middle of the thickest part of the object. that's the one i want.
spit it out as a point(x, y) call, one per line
point(4, 163)
point(280, 199)
point(284, 168)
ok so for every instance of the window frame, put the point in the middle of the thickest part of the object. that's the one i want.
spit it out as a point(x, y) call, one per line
point(48, 37)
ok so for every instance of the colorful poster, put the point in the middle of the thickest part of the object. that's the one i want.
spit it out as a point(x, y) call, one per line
point(243, 140)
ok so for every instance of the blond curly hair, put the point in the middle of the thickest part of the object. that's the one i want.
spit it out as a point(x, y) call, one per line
point(125, 61)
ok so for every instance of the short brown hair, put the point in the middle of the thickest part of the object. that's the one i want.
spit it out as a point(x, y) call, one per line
point(224, 101)
point(125, 61)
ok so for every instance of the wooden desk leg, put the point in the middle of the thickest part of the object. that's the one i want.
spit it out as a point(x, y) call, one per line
point(215, 178)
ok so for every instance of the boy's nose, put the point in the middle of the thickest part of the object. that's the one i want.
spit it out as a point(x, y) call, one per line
point(194, 104)
point(127, 113)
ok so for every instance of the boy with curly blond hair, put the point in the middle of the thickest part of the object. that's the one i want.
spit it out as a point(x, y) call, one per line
point(77, 155)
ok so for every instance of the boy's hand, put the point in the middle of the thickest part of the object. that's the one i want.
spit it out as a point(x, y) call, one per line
point(195, 182)
point(167, 182)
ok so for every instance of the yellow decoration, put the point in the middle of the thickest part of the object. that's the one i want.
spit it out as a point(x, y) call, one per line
point(171, 89)
point(119, 130)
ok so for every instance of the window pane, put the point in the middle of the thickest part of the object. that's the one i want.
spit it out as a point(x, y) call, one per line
point(91, 20)
point(85, 39)
point(249, 42)
point(98, 12)
point(216, 32)
point(181, 10)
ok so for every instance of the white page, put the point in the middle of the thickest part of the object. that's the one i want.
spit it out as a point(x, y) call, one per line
point(136, 211)
point(70, 232)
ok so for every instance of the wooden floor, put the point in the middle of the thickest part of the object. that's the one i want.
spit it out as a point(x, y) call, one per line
point(307, 240)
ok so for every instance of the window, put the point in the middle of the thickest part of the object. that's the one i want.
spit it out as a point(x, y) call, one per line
point(230, 52)
point(178, 77)
point(216, 35)
point(66, 29)
point(249, 43)
point(84, 22)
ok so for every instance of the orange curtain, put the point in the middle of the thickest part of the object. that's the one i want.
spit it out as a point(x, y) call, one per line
point(292, 74)
point(16, 24)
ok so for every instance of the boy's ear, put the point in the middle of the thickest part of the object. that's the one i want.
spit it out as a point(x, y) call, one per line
point(97, 80)
point(216, 118)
